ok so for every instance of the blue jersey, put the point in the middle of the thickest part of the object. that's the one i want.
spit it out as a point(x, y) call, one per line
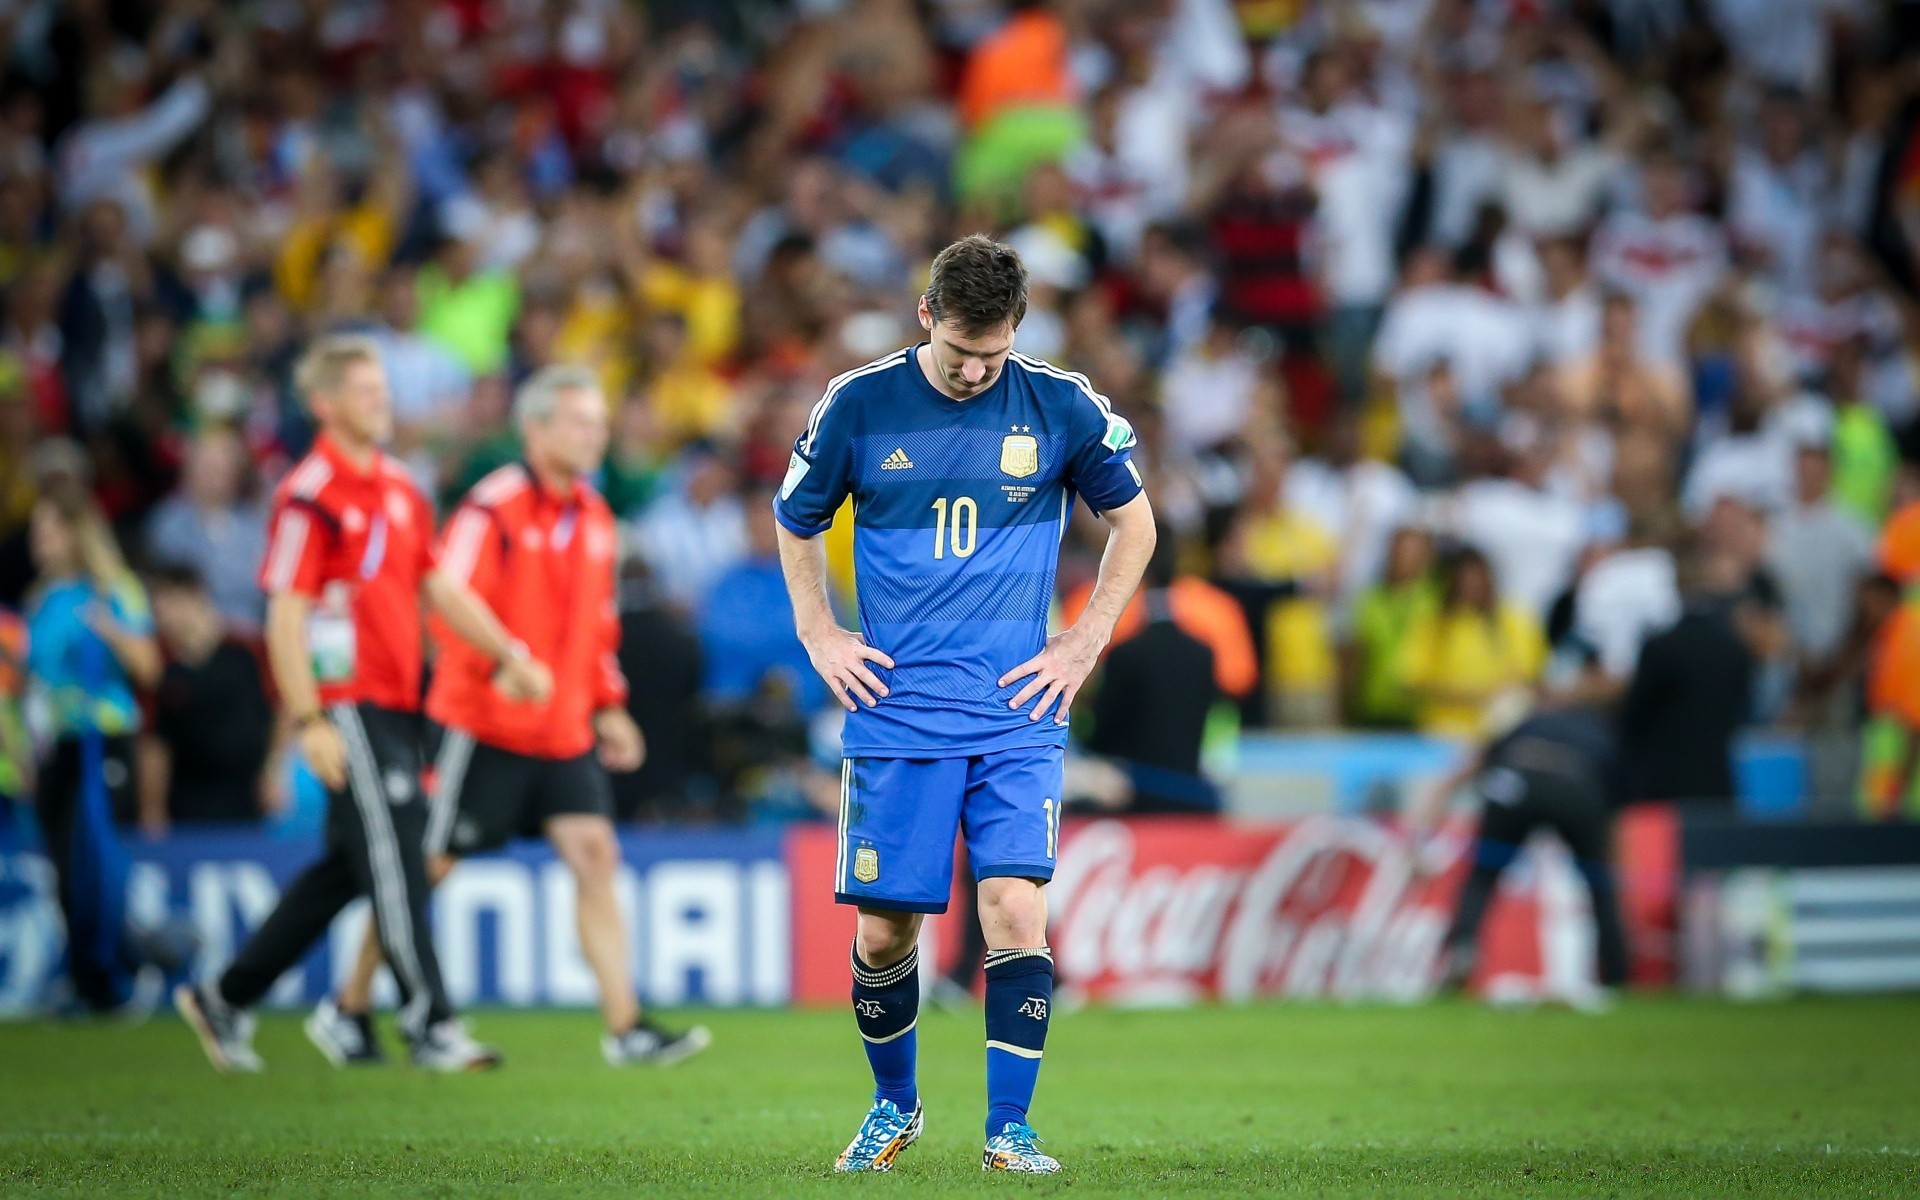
point(959, 508)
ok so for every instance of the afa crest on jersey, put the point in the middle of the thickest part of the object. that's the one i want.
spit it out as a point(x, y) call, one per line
point(866, 864)
point(1020, 455)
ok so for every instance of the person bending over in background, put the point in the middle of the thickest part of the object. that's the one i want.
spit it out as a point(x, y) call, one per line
point(537, 544)
point(349, 562)
point(1557, 770)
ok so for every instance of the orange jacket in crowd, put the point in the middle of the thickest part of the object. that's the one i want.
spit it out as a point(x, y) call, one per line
point(1024, 62)
point(1893, 681)
point(545, 564)
point(1201, 611)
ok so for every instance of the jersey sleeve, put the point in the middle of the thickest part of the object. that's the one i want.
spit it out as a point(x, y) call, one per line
point(1100, 464)
point(609, 682)
point(298, 542)
point(820, 471)
point(469, 552)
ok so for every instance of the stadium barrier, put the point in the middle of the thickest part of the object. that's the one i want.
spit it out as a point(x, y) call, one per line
point(1814, 908)
point(1168, 910)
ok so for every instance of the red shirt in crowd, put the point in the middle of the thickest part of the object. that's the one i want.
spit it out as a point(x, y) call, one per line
point(544, 562)
point(358, 543)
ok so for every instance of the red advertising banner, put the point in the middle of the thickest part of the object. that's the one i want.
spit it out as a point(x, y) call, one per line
point(1176, 910)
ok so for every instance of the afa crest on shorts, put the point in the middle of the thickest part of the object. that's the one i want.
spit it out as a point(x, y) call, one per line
point(866, 864)
point(1020, 455)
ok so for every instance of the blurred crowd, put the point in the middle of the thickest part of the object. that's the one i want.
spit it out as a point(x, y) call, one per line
point(1477, 347)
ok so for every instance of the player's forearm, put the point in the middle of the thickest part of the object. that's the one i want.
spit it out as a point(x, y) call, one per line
point(287, 654)
point(804, 563)
point(469, 617)
point(1129, 546)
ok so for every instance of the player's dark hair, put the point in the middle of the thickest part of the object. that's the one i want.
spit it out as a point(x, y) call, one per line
point(978, 284)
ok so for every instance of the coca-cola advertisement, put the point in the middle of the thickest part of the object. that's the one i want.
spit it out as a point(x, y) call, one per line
point(1179, 910)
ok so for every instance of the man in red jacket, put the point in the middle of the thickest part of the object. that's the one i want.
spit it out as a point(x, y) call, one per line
point(347, 566)
point(539, 544)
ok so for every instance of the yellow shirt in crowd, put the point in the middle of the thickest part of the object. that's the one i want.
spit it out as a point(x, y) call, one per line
point(1455, 661)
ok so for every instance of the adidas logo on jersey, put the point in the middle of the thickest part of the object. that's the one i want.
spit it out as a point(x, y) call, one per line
point(897, 461)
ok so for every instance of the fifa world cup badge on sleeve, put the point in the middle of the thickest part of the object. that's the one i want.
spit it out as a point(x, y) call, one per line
point(1020, 455)
point(796, 471)
point(866, 864)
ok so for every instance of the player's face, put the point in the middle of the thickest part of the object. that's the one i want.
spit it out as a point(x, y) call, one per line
point(967, 363)
point(360, 407)
point(574, 437)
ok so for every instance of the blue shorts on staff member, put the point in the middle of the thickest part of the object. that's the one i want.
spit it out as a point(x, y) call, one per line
point(899, 816)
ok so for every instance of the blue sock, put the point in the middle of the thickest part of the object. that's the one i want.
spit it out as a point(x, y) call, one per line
point(1019, 1001)
point(886, 1005)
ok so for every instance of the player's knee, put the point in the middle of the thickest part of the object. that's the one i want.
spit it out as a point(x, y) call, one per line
point(1015, 909)
point(884, 939)
point(593, 856)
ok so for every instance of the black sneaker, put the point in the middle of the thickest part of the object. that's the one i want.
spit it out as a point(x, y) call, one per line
point(225, 1032)
point(447, 1046)
point(648, 1043)
point(344, 1039)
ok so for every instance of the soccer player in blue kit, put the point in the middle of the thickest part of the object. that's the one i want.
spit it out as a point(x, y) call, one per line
point(963, 459)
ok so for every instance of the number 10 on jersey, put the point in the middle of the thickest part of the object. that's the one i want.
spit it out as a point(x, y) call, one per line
point(959, 534)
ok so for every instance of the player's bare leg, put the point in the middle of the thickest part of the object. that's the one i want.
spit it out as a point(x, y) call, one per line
point(886, 1006)
point(586, 843)
point(1013, 913)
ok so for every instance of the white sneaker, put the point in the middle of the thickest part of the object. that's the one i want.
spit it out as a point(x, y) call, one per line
point(448, 1047)
point(342, 1038)
point(225, 1032)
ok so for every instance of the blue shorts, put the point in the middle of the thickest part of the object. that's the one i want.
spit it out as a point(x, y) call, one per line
point(899, 816)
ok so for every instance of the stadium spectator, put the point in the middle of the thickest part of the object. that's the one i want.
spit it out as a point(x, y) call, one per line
point(1694, 687)
point(211, 525)
point(1469, 648)
point(211, 752)
point(1365, 499)
point(697, 529)
point(1157, 690)
point(1280, 563)
point(430, 385)
point(1616, 383)
point(1649, 240)
point(660, 657)
point(1384, 616)
point(90, 651)
point(1530, 532)
point(746, 627)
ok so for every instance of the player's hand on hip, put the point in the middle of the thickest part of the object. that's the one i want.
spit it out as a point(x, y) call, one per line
point(524, 680)
point(622, 746)
point(841, 657)
point(1056, 674)
point(325, 752)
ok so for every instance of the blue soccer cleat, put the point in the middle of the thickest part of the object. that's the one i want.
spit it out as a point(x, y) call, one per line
point(883, 1135)
point(1017, 1148)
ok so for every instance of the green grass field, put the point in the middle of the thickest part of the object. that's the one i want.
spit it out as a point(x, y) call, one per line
point(1666, 1097)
